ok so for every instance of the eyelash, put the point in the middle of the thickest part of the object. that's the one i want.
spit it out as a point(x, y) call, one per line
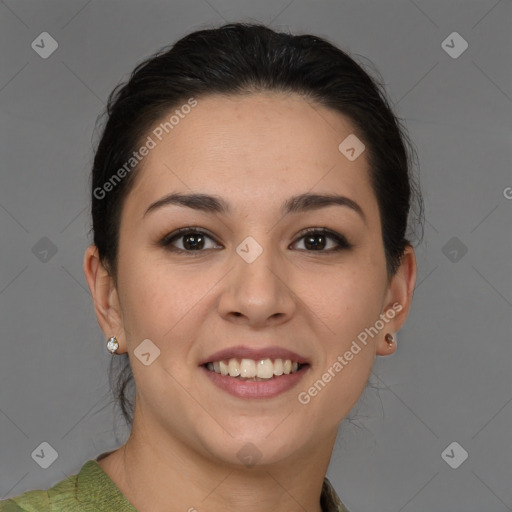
point(180, 233)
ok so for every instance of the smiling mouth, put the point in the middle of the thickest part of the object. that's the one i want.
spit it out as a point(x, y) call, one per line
point(254, 370)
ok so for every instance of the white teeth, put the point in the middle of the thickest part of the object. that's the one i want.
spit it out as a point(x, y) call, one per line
point(265, 369)
point(247, 368)
point(224, 368)
point(278, 367)
point(234, 368)
point(251, 369)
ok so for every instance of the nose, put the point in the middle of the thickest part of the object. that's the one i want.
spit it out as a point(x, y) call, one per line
point(258, 292)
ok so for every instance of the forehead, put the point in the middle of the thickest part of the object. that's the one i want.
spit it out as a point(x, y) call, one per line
point(258, 147)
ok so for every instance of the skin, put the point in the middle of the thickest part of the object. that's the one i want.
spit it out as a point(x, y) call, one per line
point(254, 151)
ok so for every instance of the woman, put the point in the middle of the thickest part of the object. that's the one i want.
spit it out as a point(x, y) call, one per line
point(250, 201)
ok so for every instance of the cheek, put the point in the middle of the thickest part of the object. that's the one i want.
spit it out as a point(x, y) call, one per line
point(161, 301)
point(349, 298)
point(147, 297)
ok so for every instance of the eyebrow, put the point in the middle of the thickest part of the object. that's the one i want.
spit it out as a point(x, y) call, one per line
point(215, 204)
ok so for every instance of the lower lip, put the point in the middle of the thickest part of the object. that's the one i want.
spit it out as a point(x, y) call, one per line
point(255, 389)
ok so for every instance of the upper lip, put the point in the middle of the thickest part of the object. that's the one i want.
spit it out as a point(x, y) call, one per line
point(243, 352)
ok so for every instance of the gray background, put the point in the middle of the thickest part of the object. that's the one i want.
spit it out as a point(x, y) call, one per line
point(450, 379)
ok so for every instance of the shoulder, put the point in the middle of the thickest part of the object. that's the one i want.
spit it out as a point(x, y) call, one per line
point(30, 501)
point(60, 497)
point(90, 490)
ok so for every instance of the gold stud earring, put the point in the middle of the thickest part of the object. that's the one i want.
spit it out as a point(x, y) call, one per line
point(389, 339)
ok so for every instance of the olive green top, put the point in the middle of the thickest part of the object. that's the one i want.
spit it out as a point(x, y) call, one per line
point(92, 490)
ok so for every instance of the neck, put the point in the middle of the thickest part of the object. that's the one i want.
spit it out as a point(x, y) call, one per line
point(152, 480)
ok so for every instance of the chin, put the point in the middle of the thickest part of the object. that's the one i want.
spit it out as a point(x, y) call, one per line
point(253, 448)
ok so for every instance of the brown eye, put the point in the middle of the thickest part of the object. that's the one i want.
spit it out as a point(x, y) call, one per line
point(191, 240)
point(317, 240)
point(196, 240)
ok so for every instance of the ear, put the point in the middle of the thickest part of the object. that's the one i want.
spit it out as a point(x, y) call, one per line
point(105, 297)
point(398, 300)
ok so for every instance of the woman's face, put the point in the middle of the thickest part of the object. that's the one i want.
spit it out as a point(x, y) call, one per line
point(251, 284)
